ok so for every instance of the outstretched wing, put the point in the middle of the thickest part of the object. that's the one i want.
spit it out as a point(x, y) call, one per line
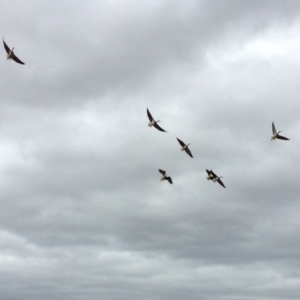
point(188, 151)
point(273, 128)
point(169, 179)
point(221, 183)
point(281, 137)
point(16, 59)
point(213, 174)
point(208, 172)
point(149, 115)
point(181, 142)
point(6, 47)
point(162, 171)
point(158, 127)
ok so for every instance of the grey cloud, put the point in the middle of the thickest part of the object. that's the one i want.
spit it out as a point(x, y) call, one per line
point(83, 214)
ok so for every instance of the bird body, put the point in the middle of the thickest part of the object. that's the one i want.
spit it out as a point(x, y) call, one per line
point(11, 55)
point(164, 176)
point(153, 122)
point(185, 147)
point(276, 134)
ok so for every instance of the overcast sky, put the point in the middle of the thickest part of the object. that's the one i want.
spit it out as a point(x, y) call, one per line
point(83, 213)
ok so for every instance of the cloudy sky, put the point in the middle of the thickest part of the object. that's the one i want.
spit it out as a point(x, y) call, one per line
point(83, 213)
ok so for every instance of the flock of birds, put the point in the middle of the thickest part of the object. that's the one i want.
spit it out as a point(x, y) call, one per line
point(184, 147)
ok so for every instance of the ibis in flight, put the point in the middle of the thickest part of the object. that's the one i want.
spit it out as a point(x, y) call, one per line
point(164, 176)
point(276, 134)
point(185, 147)
point(11, 55)
point(212, 176)
point(153, 122)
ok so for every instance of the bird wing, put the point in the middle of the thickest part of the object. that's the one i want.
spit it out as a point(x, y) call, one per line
point(149, 115)
point(273, 128)
point(208, 172)
point(6, 47)
point(181, 142)
point(213, 174)
point(281, 137)
point(158, 127)
point(188, 151)
point(169, 179)
point(220, 182)
point(162, 171)
point(16, 59)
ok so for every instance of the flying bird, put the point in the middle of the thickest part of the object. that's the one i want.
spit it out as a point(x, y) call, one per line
point(212, 176)
point(185, 147)
point(11, 55)
point(276, 134)
point(164, 176)
point(153, 122)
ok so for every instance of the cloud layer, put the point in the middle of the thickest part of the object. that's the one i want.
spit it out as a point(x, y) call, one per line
point(83, 214)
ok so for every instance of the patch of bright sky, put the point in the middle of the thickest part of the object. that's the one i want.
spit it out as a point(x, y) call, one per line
point(269, 45)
